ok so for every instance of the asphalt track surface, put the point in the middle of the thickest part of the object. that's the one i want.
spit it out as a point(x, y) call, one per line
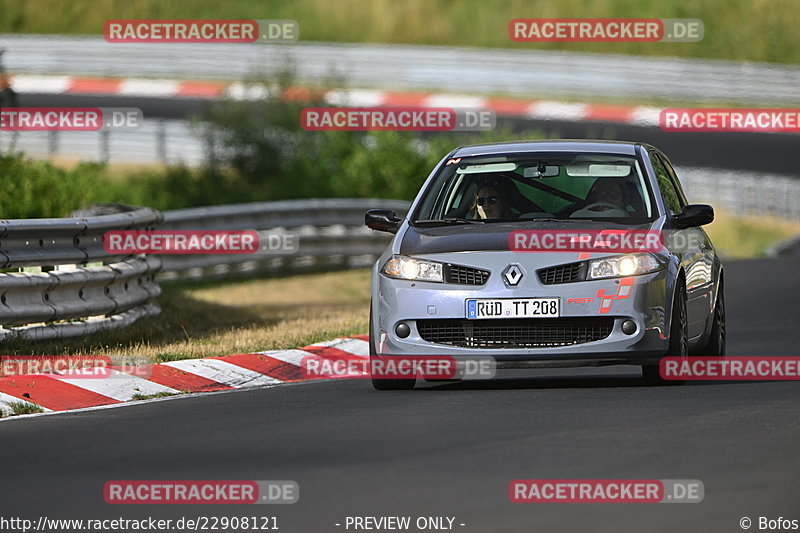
point(450, 449)
point(757, 152)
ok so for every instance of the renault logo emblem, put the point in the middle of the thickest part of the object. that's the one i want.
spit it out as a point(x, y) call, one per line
point(512, 275)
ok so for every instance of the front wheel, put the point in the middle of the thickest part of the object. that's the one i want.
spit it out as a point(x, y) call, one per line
point(678, 340)
point(715, 347)
point(381, 383)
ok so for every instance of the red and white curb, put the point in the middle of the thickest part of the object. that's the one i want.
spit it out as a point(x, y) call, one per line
point(516, 107)
point(70, 391)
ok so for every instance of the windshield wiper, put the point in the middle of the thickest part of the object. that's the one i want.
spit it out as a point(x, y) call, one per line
point(448, 220)
point(542, 219)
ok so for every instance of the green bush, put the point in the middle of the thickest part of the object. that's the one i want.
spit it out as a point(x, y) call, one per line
point(175, 187)
point(266, 155)
point(36, 189)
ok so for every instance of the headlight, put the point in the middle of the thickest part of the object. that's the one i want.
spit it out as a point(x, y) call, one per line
point(401, 267)
point(623, 265)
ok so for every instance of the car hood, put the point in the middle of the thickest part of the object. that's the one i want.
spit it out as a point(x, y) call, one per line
point(491, 236)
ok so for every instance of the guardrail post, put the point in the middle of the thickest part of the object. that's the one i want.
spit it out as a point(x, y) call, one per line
point(161, 141)
point(52, 143)
point(105, 151)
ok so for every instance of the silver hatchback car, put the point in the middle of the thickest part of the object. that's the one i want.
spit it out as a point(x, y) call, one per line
point(508, 251)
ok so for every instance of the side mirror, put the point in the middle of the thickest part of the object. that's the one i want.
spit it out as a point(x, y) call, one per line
point(694, 215)
point(382, 220)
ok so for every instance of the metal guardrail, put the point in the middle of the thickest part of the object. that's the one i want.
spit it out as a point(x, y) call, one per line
point(743, 193)
point(404, 67)
point(68, 284)
point(330, 233)
point(155, 141)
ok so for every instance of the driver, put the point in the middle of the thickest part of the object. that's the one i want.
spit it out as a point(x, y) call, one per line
point(491, 202)
point(607, 194)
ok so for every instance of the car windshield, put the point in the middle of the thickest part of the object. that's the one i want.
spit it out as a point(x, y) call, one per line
point(528, 187)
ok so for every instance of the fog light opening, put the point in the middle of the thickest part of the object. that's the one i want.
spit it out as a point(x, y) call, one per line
point(402, 330)
point(629, 327)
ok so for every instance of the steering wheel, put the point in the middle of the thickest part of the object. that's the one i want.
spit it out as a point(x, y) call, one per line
point(594, 207)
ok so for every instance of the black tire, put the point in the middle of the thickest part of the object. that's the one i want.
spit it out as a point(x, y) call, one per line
point(385, 384)
point(715, 346)
point(678, 339)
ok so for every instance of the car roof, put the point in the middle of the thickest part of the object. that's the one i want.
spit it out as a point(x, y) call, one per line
point(550, 145)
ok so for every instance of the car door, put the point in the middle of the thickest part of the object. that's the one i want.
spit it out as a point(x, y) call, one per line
point(692, 245)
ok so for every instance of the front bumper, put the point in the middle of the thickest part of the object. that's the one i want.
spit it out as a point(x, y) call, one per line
point(642, 299)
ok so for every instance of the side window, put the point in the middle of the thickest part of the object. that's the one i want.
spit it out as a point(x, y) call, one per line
point(675, 180)
point(665, 184)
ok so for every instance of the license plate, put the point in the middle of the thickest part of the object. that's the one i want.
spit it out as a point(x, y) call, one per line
point(513, 308)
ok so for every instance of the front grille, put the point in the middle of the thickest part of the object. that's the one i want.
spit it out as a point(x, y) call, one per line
point(563, 273)
point(464, 275)
point(515, 332)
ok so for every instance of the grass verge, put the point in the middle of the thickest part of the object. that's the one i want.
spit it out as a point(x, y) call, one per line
point(749, 236)
point(20, 408)
point(152, 396)
point(213, 319)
